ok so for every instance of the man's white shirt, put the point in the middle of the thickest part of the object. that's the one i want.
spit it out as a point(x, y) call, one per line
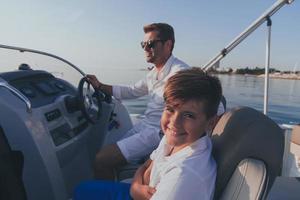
point(152, 85)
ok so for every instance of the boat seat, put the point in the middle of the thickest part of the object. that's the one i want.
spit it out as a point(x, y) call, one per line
point(248, 148)
point(11, 167)
point(294, 162)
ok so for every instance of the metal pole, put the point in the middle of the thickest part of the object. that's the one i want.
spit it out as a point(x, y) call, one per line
point(267, 66)
point(259, 21)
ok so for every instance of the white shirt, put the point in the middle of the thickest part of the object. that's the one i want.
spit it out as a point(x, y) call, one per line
point(187, 174)
point(153, 85)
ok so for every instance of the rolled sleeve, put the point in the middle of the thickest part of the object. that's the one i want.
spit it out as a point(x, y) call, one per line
point(139, 89)
point(116, 90)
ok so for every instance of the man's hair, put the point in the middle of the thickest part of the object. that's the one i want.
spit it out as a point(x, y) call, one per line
point(194, 84)
point(165, 31)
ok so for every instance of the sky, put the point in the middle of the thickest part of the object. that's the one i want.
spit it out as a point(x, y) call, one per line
point(99, 34)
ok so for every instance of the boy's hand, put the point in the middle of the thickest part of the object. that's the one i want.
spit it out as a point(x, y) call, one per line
point(141, 192)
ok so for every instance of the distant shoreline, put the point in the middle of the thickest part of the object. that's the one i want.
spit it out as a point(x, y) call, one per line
point(273, 76)
point(283, 76)
point(259, 72)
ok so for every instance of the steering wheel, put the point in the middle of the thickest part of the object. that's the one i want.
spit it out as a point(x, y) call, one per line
point(90, 101)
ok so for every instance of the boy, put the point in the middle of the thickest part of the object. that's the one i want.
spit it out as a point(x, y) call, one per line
point(182, 166)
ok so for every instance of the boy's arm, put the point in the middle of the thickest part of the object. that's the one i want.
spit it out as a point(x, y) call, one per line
point(146, 175)
point(139, 190)
point(178, 185)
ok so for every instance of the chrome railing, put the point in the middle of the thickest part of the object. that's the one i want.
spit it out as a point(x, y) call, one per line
point(266, 16)
point(259, 21)
point(22, 50)
point(18, 94)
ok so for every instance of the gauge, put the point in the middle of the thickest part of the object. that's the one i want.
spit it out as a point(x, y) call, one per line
point(45, 88)
point(27, 91)
point(60, 86)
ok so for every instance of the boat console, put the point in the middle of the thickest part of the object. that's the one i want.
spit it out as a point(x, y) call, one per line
point(41, 116)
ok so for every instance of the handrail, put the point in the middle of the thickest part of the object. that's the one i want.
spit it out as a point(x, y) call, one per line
point(267, 66)
point(15, 91)
point(267, 14)
point(18, 94)
point(42, 53)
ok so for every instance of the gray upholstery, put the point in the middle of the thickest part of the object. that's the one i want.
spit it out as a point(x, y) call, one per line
point(247, 181)
point(246, 133)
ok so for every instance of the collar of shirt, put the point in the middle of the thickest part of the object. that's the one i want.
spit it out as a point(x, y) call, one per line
point(196, 147)
point(159, 75)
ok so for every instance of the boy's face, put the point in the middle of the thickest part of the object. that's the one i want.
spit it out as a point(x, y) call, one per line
point(184, 123)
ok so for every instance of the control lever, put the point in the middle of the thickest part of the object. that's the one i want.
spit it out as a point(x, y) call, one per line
point(72, 103)
point(113, 123)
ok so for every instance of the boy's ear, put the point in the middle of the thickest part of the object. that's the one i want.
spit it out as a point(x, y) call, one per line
point(213, 122)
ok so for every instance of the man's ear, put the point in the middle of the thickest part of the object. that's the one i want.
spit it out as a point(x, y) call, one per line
point(169, 44)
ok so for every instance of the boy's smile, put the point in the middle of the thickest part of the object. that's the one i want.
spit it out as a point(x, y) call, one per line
point(184, 123)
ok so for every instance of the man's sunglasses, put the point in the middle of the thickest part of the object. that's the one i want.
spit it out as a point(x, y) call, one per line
point(150, 43)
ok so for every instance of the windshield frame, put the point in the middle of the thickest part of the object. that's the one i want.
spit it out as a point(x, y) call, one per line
point(22, 50)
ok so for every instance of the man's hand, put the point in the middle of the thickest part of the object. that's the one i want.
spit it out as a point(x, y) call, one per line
point(98, 85)
point(94, 81)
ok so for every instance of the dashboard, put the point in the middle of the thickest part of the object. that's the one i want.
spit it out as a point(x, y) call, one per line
point(44, 91)
point(58, 143)
point(40, 87)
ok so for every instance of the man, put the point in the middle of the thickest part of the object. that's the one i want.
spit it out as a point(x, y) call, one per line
point(144, 137)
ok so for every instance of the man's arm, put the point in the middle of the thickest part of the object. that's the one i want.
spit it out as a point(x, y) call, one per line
point(139, 190)
point(139, 89)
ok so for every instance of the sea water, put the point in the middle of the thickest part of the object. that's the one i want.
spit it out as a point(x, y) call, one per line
point(239, 90)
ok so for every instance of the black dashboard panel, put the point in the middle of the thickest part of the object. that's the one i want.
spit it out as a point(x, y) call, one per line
point(53, 114)
point(40, 87)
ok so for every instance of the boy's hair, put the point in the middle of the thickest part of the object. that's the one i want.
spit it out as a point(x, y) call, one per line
point(165, 31)
point(194, 84)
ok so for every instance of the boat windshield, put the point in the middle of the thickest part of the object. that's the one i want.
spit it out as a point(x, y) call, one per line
point(11, 60)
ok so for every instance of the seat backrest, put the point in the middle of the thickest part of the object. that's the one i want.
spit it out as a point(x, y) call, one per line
point(247, 181)
point(248, 148)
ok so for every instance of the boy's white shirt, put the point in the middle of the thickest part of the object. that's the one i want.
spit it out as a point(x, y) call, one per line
point(187, 174)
